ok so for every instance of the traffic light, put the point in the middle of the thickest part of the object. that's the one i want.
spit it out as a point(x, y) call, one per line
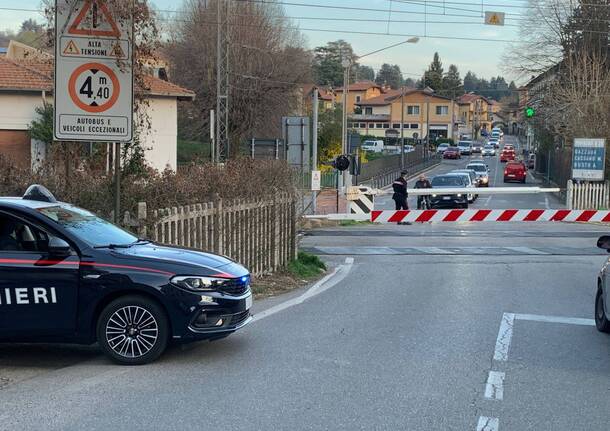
point(341, 163)
point(530, 112)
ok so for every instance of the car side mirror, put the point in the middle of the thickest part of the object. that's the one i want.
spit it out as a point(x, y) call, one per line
point(604, 242)
point(58, 247)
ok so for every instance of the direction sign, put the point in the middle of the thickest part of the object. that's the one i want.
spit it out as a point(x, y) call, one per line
point(494, 18)
point(589, 159)
point(93, 73)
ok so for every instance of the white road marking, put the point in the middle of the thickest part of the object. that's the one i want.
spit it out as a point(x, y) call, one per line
point(505, 335)
point(332, 279)
point(527, 250)
point(432, 250)
point(556, 319)
point(494, 388)
point(488, 424)
point(546, 203)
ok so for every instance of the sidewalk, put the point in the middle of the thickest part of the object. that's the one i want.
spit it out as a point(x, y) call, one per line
point(327, 202)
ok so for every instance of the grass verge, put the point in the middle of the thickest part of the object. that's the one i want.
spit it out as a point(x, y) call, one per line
point(300, 272)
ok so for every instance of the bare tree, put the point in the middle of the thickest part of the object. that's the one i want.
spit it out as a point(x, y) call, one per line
point(267, 64)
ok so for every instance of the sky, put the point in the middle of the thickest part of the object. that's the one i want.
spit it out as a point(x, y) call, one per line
point(438, 24)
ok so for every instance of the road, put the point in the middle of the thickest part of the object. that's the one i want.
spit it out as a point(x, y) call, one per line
point(424, 327)
point(496, 177)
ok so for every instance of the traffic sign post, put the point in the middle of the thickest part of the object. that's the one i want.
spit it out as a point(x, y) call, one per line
point(93, 77)
point(93, 73)
point(589, 159)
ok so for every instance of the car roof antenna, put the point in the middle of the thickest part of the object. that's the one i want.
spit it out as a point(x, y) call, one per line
point(36, 192)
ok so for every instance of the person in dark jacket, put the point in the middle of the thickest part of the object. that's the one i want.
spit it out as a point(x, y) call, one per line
point(400, 193)
point(422, 183)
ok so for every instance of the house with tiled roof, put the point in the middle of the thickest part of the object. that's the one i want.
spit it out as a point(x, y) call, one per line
point(407, 112)
point(475, 114)
point(26, 83)
point(358, 92)
point(326, 98)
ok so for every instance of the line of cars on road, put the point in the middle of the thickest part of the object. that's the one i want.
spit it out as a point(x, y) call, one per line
point(476, 174)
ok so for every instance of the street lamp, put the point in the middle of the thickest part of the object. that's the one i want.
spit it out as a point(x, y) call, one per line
point(347, 63)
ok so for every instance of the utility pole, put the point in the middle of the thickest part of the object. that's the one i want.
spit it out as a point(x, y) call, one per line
point(314, 153)
point(402, 127)
point(222, 81)
point(212, 137)
point(346, 63)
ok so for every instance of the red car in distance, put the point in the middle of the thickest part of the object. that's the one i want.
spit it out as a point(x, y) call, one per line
point(452, 153)
point(515, 171)
point(507, 156)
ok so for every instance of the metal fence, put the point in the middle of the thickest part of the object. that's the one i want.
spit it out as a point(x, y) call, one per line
point(381, 172)
point(260, 234)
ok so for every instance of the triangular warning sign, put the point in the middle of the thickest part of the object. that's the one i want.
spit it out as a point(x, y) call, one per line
point(94, 19)
point(71, 49)
point(494, 19)
point(117, 51)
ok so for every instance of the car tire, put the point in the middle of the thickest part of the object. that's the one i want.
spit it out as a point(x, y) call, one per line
point(601, 320)
point(133, 330)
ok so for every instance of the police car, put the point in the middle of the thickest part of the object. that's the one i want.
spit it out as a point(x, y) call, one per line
point(71, 277)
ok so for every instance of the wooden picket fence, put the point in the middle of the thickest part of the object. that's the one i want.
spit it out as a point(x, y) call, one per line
point(588, 195)
point(259, 234)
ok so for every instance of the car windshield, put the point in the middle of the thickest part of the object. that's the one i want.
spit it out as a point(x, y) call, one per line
point(447, 181)
point(464, 144)
point(478, 168)
point(89, 228)
point(488, 147)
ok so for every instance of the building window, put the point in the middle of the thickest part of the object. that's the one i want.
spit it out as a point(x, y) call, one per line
point(414, 126)
point(363, 125)
point(358, 98)
point(442, 110)
point(386, 125)
point(396, 126)
point(413, 110)
point(379, 125)
point(368, 111)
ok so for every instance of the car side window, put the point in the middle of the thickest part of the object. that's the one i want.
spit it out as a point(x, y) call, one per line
point(18, 236)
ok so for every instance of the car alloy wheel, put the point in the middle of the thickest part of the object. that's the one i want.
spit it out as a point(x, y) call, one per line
point(132, 331)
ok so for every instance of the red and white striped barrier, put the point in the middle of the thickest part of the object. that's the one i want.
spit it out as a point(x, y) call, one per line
point(439, 216)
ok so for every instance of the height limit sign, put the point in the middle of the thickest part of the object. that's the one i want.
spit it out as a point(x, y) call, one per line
point(93, 72)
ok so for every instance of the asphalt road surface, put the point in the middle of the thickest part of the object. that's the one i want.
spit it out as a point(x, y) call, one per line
point(429, 327)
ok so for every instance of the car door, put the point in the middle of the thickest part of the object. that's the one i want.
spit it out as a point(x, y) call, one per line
point(38, 291)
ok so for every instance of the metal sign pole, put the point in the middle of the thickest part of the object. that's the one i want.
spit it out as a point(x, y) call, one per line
point(117, 182)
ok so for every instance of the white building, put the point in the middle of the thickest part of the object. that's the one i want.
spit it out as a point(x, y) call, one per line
point(27, 82)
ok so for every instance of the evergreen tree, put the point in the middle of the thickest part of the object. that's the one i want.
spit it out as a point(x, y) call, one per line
point(389, 75)
point(433, 77)
point(363, 73)
point(327, 68)
point(452, 83)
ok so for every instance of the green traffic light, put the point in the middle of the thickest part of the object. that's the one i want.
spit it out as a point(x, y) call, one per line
point(530, 112)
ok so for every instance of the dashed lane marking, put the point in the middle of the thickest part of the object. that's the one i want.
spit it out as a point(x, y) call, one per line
point(494, 388)
point(556, 319)
point(488, 424)
point(505, 335)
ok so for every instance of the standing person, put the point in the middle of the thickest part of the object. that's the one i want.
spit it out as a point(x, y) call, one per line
point(400, 193)
point(422, 183)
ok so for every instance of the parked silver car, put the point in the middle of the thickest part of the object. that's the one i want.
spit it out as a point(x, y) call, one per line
point(602, 297)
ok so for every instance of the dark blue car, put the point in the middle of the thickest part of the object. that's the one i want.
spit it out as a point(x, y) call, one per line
point(68, 276)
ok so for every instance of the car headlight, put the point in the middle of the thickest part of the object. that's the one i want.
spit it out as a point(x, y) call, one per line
point(199, 284)
point(433, 196)
point(459, 195)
